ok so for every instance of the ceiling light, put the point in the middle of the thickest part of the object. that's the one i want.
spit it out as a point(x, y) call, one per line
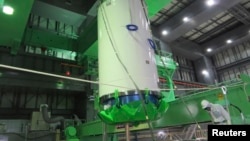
point(205, 72)
point(209, 50)
point(161, 135)
point(186, 19)
point(210, 2)
point(164, 32)
point(8, 10)
point(229, 41)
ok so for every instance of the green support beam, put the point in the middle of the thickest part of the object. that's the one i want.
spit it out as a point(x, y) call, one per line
point(95, 128)
point(41, 38)
point(154, 6)
point(92, 50)
point(88, 36)
point(14, 32)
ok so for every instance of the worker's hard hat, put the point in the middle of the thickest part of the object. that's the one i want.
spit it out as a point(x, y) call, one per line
point(204, 104)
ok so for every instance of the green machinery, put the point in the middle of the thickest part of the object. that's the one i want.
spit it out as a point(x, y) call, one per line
point(187, 110)
point(183, 110)
point(134, 112)
point(172, 111)
point(166, 67)
point(128, 90)
point(70, 133)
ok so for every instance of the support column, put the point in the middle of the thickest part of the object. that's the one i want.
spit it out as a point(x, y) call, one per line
point(127, 132)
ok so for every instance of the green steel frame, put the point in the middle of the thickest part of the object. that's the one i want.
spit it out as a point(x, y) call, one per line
point(187, 110)
point(144, 109)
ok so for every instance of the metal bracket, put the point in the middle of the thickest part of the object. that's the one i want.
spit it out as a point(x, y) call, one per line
point(117, 101)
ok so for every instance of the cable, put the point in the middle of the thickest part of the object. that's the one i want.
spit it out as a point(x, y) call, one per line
point(164, 65)
point(241, 114)
point(55, 75)
point(245, 92)
point(190, 113)
point(236, 107)
point(98, 83)
point(72, 78)
point(145, 10)
point(224, 91)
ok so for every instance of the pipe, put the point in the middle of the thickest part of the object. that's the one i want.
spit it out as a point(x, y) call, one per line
point(57, 76)
point(127, 132)
point(77, 120)
point(189, 84)
point(26, 132)
point(71, 65)
point(104, 134)
point(47, 119)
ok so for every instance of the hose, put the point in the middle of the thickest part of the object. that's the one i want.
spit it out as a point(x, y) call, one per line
point(47, 119)
point(241, 114)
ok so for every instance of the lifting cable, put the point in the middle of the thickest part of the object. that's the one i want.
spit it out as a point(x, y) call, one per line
point(90, 81)
point(190, 113)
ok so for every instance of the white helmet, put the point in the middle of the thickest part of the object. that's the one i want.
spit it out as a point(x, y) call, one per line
point(205, 104)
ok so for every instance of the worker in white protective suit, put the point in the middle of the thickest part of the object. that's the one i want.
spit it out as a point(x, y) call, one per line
point(217, 112)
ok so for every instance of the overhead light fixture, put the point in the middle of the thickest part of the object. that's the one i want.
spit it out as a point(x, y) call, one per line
point(229, 41)
point(209, 49)
point(161, 135)
point(186, 19)
point(205, 72)
point(210, 2)
point(164, 32)
point(8, 10)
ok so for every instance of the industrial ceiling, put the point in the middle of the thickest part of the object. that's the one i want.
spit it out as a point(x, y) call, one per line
point(207, 26)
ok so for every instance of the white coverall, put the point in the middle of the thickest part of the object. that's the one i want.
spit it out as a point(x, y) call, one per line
point(218, 113)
